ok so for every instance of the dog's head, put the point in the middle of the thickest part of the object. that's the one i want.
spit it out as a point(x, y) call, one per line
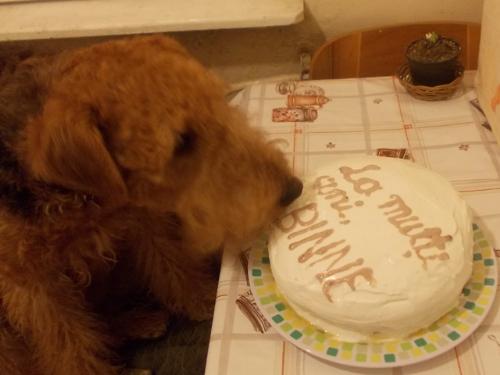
point(139, 122)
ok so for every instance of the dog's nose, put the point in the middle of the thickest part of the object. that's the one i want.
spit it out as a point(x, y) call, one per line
point(293, 189)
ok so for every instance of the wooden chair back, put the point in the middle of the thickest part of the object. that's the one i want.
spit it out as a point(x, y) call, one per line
point(379, 52)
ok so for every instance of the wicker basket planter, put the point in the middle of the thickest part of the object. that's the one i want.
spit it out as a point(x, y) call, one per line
point(430, 93)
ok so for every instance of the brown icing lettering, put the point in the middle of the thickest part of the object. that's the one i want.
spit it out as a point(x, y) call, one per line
point(333, 271)
point(428, 238)
point(309, 253)
point(330, 278)
point(302, 216)
point(442, 257)
point(340, 204)
point(401, 210)
point(400, 214)
point(409, 228)
point(342, 252)
point(434, 237)
point(317, 237)
point(363, 185)
point(325, 185)
point(313, 236)
point(307, 229)
point(365, 272)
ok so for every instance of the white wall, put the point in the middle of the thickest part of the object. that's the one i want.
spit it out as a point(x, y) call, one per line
point(342, 16)
point(253, 54)
point(241, 55)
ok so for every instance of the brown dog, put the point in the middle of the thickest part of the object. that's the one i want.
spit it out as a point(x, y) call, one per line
point(121, 168)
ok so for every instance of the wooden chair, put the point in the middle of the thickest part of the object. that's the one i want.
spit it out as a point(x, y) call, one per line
point(379, 52)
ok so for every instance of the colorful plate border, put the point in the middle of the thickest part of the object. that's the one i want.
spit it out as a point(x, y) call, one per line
point(449, 331)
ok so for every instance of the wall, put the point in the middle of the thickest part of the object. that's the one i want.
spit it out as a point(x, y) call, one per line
point(256, 54)
point(241, 55)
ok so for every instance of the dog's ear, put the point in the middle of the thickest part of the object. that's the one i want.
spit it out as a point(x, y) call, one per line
point(64, 146)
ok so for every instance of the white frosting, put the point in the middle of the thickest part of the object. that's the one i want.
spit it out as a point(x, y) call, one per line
point(405, 292)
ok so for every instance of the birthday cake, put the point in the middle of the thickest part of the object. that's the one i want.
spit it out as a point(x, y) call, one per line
point(374, 249)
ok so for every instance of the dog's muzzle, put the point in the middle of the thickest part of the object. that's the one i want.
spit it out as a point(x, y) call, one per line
point(292, 191)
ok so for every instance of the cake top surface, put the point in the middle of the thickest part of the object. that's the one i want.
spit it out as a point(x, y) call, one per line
point(374, 244)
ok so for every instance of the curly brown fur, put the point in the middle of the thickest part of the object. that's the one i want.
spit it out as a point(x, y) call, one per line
point(122, 169)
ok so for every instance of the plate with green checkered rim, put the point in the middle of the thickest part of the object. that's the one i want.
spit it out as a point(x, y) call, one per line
point(443, 335)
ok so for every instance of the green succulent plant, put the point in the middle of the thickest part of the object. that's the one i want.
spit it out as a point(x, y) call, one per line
point(433, 48)
point(432, 37)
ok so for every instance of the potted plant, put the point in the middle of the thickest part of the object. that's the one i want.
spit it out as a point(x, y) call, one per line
point(433, 60)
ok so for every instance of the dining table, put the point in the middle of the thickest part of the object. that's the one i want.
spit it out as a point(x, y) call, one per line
point(314, 123)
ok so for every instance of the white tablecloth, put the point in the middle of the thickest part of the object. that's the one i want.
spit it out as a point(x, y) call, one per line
point(362, 116)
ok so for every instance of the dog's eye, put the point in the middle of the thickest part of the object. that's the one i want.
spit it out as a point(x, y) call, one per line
point(186, 143)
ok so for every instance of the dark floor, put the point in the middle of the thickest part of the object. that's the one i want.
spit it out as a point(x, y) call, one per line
point(182, 351)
